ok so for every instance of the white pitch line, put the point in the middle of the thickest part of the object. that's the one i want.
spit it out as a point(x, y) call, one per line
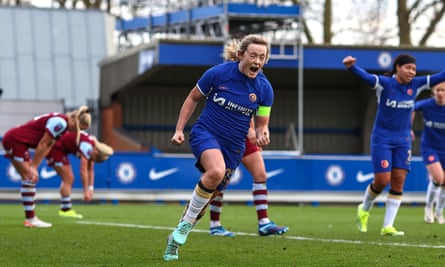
point(344, 241)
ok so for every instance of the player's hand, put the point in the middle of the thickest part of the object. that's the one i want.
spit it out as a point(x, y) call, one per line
point(349, 61)
point(178, 138)
point(32, 175)
point(88, 195)
point(263, 138)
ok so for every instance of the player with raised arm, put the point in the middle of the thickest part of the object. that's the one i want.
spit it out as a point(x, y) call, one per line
point(391, 135)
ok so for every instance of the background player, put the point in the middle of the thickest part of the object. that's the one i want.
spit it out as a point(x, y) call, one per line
point(432, 146)
point(391, 135)
point(40, 134)
point(89, 150)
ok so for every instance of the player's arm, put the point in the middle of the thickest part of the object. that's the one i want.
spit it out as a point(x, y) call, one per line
point(42, 149)
point(368, 78)
point(262, 126)
point(413, 135)
point(437, 78)
point(419, 106)
point(87, 178)
point(54, 128)
point(187, 109)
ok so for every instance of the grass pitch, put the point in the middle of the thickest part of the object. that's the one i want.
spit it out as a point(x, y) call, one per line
point(135, 235)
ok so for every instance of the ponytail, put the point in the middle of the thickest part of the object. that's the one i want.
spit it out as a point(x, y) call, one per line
point(231, 49)
point(81, 116)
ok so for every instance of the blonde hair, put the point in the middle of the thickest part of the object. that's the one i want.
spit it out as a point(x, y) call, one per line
point(84, 116)
point(105, 151)
point(81, 116)
point(233, 48)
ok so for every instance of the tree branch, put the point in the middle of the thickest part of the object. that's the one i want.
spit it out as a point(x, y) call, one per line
point(438, 15)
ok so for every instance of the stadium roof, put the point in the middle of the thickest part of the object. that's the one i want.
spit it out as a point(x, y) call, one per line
point(175, 62)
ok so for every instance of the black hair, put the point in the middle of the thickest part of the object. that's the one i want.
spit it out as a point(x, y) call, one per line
point(400, 60)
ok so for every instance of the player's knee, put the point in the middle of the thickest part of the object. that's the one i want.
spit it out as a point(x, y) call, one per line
point(69, 181)
point(216, 174)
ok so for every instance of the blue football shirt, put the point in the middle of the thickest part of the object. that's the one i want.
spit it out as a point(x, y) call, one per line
point(433, 135)
point(232, 99)
point(392, 124)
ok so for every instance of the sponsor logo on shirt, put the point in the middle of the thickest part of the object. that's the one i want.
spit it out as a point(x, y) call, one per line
point(431, 158)
point(252, 97)
point(399, 104)
point(58, 127)
point(229, 105)
point(435, 124)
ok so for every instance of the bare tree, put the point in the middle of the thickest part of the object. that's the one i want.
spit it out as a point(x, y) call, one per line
point(418, 18)
point(404, 23)
point(312, 13)
point(11, 2)
point(429, 13)
point(327, 22)
point(307, 32)
point(87, 4)
point(92, 4)
point(368, 22)
point(415, 22)
point(306, 29)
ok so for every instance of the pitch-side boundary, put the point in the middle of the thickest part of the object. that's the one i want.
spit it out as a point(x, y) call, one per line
point(229, 196)
point(301, 238)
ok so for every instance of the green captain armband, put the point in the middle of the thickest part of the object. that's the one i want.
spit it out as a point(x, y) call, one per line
point(263, 111)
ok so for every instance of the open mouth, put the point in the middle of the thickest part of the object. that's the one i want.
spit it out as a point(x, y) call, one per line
point(254, 69)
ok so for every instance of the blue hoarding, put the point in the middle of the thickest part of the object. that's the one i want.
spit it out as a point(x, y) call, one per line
point(144, 171)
